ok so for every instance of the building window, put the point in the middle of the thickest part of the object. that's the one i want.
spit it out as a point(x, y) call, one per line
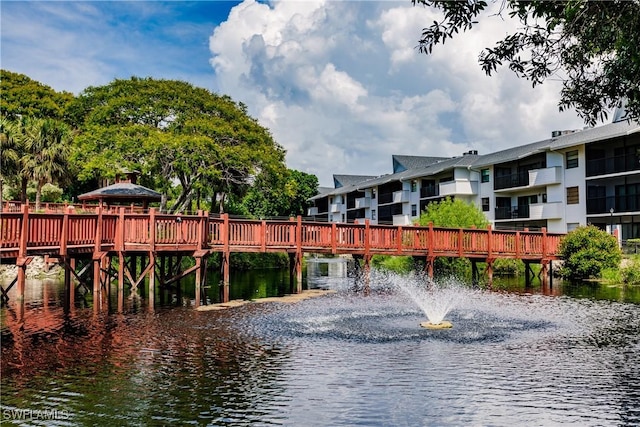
point(485, 204)
point(414, 210)
point(414, 186)
point(484, 175)
point(373, 213)
point(373, 193)
point(572, 159)
point(573, 196)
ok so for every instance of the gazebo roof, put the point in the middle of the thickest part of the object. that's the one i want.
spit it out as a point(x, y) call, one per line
point(122, 191)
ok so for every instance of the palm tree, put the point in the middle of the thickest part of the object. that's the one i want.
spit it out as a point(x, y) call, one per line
point(10, 151)
point(47, 152)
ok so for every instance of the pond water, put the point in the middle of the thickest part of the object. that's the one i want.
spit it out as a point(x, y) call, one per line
point(566, 356)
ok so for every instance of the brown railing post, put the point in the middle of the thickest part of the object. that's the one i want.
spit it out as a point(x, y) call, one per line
point(263, 236)
point(399, 242)
point(334, 238)
point(152, 229)
point(460, 243)
point(225, 258)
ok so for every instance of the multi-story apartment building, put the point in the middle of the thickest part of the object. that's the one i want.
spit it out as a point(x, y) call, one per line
point(590, 176)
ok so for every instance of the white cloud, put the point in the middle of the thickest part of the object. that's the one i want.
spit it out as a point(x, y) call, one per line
point(342, 86)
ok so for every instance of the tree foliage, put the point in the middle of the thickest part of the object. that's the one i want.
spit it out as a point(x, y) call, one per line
point(587, 251)
point(281, 195)
point(173, 132)
point(453, 213)
point(592, 46)
point(24, 97)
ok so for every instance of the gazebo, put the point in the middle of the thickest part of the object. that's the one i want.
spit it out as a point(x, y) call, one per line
point(121, 193)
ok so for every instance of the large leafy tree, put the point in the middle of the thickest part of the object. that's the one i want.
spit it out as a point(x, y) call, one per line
point(280, 195)
point(592, 46)
point(172, 132)
point(24, 97)
point(454, 213)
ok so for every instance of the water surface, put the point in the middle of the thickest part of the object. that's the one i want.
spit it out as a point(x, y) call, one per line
point(343, 359)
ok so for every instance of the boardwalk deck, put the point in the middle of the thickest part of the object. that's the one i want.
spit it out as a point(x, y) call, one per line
point(101, 234)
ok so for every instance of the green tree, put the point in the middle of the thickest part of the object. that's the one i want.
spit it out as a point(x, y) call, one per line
point(587, 251)
point(24, 97)
point(10, 151)
point(46, 152)
point(173, 132)
point(280, 195)
point(453, 213)
point(592, 46)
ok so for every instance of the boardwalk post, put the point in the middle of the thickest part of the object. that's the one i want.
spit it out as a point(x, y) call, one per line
point(299, 255)
point(544, 270)
point(430, 252)
point(97, 259)
point(367, 257)
point(119, 245)
point(225, 258)
point(152, 258)
point(490, 258)
point(23, 260)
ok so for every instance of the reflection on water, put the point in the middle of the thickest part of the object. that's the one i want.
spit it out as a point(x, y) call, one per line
point(340, 360)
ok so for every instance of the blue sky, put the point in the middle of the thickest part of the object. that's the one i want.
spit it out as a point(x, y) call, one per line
point(340, 84)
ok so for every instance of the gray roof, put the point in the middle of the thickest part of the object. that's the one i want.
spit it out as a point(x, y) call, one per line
point(600, 133)
point(347, 180)
point(402, 163)
point(122, 190)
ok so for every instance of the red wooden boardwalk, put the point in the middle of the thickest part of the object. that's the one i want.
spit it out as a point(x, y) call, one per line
point(58, 234)
point(69, 235)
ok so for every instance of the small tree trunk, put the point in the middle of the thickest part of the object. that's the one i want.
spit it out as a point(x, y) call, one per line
point(38, 194)
point(23, 190)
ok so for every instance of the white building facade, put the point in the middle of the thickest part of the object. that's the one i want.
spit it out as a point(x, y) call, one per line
point(584, 177)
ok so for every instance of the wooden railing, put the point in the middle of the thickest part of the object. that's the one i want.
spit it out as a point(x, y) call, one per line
point(58, 233)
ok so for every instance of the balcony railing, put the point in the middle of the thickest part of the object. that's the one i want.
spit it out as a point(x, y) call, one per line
point(513, 212)
point(601, 205)
point(615, 164)
point(428, 192)
point(514, 180)
point(459, 187)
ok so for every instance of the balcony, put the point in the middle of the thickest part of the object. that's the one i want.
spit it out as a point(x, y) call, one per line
point(312, 211)
point(458, 187)
point(401, 196)
point(401, 220)
point(510, 181)
point(363, 202)
point(430, 191)
point(335, 207)
point(546, 210)
point(603, 205)
point(544, 177)
point(513, 212)
point(611, 165)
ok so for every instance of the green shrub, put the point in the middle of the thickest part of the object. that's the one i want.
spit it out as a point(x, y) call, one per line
point(508, 267)
point(587, 251)
point(51, 193)
point(631, 272)
point(397, 264)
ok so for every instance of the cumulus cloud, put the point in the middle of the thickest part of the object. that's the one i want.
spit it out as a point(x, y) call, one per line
point(342, 86)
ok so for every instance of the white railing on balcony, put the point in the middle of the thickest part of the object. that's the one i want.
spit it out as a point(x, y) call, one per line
point(363, 202)
point(459, 187)
point(546, 176)
point(335, 207)
point(401, 196)
point(401, 220)
point(551, 210)
point(312, 211)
